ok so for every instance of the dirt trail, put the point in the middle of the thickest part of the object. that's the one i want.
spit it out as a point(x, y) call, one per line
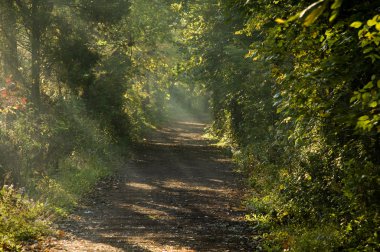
point(177, 194)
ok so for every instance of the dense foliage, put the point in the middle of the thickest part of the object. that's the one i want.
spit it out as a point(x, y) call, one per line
point(22, 219)
point(295, 91)
point(79, 81)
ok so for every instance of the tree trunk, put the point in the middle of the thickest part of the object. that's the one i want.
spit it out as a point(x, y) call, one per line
point(10, 63)
point(36, 57)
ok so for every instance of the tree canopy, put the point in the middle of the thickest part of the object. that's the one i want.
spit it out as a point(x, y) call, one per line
point(293, 87)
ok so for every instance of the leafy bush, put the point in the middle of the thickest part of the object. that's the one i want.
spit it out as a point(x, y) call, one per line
point(300, 111)
point(57, 157)
point(22, 219)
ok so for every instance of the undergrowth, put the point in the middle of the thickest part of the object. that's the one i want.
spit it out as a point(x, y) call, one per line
point(312, 197)
point(295, 211)
point(51, 159)
point(22, 219)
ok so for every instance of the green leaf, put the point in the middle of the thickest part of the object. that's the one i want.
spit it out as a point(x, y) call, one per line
point(363, 118)
point(336, 4)
point(373, 104)
point(310, 7)
point(378, 83)
point(348, 228)
point(294, 17)
point(367, 50)
point(356, 24)
point(371, 22)
point(280, 21)
point(333, 16)
point(366, 97)
point(101, 42)
point(369, 85)
point(314, 15)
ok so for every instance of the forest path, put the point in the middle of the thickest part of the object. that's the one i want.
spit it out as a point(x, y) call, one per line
point(177, 194)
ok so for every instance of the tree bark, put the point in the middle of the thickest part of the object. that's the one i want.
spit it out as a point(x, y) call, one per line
point(36, 55)
point(10, 62)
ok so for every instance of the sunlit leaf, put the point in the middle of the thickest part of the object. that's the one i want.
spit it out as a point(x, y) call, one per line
point(334, 15)
point(371, 22)
point(369, 85)
point(356, 24)
point(363, 118)
point(280, 21)
point(294, 17)
point(314, 15)
point(310, 7)
point(373, 104)
point(101, 42)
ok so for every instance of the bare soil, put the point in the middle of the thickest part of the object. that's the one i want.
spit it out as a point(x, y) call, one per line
point(177, 193)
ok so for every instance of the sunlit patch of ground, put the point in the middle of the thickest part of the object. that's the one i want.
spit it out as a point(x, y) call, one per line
point(191, 187)
point(75, 244)
point(141, 186)
point(154, 246)
point(150, 212)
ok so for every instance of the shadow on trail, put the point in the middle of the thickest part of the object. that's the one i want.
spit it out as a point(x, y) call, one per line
point(178, 194)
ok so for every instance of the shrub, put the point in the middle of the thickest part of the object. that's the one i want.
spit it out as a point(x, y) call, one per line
point(22, 219)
